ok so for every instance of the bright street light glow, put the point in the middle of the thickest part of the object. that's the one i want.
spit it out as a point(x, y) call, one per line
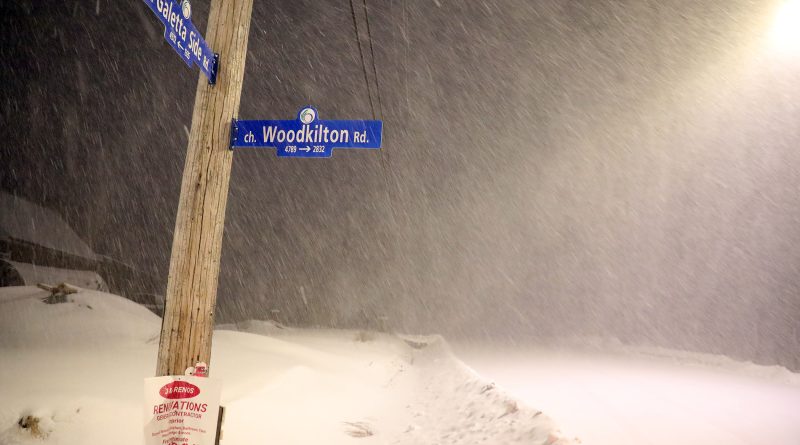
point(786, 28)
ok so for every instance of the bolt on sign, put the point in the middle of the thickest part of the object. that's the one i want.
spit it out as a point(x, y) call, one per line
point(181, 410)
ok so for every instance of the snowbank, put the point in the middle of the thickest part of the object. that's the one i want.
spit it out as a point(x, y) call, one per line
point(23, 220)
point(610, 394)
point(685, 359)
point(79, 367)
point(32, 274)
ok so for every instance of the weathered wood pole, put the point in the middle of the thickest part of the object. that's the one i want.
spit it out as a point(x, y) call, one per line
point(197, 243)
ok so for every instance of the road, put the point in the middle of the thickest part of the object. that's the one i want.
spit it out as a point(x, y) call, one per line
point(625, 399)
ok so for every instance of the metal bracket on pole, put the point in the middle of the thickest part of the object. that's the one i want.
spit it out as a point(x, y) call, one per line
point(214, 67)
point(234, 133)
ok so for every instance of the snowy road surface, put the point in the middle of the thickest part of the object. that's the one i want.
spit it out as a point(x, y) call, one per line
point(78, 368)
point(645, 399)
point(73, 372)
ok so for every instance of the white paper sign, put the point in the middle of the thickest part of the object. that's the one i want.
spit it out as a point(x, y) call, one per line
point(181, 410)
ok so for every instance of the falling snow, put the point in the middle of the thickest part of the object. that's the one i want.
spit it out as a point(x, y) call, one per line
point(551, 170)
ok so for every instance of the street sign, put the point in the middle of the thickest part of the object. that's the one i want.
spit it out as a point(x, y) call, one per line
point(184, 37)
point(307, 136)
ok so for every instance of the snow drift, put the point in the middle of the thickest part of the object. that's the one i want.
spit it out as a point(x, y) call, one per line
point(72, 373)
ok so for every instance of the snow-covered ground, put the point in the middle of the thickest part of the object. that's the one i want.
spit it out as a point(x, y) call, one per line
point(615, 395)
point(79, 368)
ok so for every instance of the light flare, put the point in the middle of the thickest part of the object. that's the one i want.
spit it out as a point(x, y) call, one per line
point(785, 35)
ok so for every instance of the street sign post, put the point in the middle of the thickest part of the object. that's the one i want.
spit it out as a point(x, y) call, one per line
point(197, 242)
point(191, 294)
point(184, 38)
point(307, 136)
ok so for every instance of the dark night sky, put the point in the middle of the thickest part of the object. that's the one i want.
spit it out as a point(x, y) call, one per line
point(554, 168)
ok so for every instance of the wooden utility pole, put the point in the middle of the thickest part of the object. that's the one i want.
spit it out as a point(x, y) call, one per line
point(196, 247)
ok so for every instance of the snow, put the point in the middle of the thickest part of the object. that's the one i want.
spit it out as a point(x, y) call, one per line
point(79, 366)
point(33, 274)
point(612, 394)
point(26, 221)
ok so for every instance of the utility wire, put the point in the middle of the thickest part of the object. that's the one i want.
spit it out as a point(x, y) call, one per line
point(361, 55)
point(383, 160)
point(372, 56)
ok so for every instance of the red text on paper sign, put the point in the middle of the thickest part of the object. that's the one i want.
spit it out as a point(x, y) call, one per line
point(179, 390)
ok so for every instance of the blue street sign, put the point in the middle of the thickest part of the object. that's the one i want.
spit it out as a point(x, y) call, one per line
point(307, 136)
point(184, 37)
